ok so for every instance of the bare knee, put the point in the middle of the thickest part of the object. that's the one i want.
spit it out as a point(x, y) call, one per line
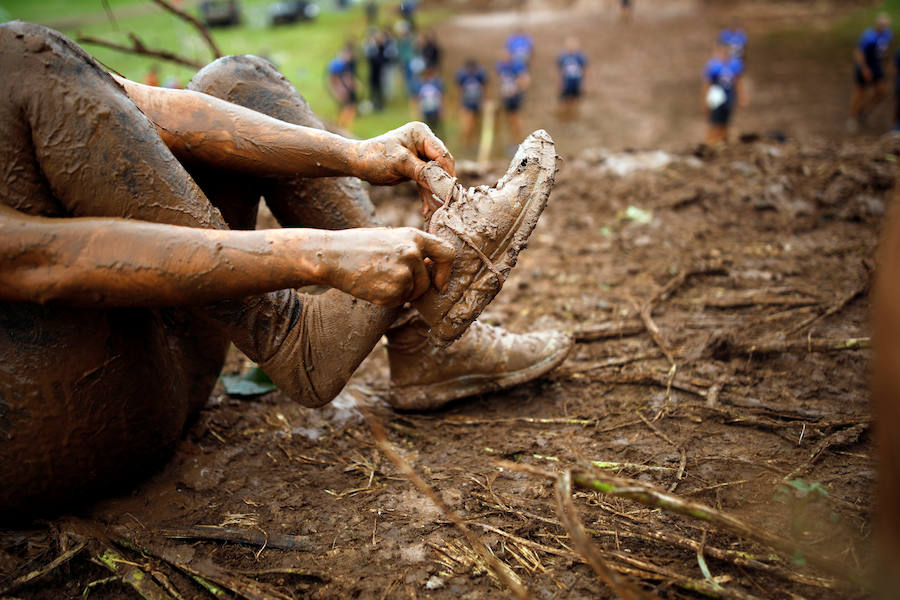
point(19, 38)
point(255, 83)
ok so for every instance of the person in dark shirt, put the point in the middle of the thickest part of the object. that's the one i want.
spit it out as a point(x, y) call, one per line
point(572, 63)
point(868, 70)
point(897, 91)
point(376, 50)
point(471, 79)
point(430, 99)
point(723, 88)
point(430, 50)
point(342, 83)
point(512, 80)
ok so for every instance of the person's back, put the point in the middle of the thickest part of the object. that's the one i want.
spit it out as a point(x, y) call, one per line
point(471, 80)
point(874, 44)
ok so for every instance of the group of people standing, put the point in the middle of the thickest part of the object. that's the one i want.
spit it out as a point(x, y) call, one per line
point(724, 88)
point(385, 51)
point(418, 56)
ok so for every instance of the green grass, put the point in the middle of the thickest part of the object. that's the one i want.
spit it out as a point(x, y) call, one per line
point(300, 51)
point(837, 41)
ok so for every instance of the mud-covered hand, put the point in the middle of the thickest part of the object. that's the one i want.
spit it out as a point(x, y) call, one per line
point(386, 266)
point(401, 155)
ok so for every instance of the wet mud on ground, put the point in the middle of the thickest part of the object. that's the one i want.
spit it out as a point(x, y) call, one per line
point(752, 264)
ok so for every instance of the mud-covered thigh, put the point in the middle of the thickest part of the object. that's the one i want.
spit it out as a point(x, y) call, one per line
point(89, 399)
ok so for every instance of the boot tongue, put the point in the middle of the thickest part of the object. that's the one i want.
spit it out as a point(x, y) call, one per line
point(440, 182)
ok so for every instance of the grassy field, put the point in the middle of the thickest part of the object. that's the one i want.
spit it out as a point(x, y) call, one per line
point(300, 51)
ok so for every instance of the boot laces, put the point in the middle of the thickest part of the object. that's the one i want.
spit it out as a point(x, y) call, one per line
point(459, 193)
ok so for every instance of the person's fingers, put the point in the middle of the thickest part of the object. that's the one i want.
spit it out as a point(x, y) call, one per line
point(429, 202)
point(429, 146)
point(421, 279)
point(437, 151)
point(443, 255)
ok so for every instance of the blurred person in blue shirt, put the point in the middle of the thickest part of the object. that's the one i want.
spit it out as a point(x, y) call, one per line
point(512, 81)
point(868, 70)
point(736, 39)
point(520, 47)
point(471, 79)
point(572, 64)
point(723, 89)
point(342, 83)
point(430, 98)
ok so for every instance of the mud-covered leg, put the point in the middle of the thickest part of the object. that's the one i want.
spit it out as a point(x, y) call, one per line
point(336, 330)
point(89, 397)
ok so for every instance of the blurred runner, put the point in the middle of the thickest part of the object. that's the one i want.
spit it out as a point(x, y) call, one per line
point(868, 70)
point(471, 79)
point(377, 53)
point(520, 47)
point(430, 49)
point(342, 83)
point(572, 63)
point(407, 9)
point(431, 99)
point(626, 10)
point(152, 76)
point(736, 39)
point(897, 91)
point(722, 90)
point(513, 80)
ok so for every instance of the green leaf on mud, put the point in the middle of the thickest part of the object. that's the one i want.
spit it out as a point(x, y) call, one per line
point(252, 383)
point(638, 215)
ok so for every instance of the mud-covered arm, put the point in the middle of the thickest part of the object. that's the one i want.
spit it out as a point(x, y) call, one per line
point(203, 129)
point(106, 262)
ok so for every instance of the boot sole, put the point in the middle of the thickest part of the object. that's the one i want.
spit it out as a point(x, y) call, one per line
point(484, 285)
point(434, 395)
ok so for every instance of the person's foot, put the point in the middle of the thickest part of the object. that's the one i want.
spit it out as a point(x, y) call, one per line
point(488, 227)
point(485, 359)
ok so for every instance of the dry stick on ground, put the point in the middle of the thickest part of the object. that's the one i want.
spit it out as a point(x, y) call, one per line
point(205, 572)
point(834, 308)
point(38, 573)
point(615, 361)
point(608, 330)
point(838, 438)
point(730, 347)
point(200, 27)
point(138, 47)
point(622, 586)
point(745, 298)
point(249, 537)
point(501, 570)
point(742, 559)
point(131, 574)
point(648, 495)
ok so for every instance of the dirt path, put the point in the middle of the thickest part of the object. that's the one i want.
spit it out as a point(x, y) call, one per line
point(645, 77)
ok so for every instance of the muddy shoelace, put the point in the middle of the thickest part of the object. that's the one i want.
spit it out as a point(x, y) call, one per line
point(459, 193)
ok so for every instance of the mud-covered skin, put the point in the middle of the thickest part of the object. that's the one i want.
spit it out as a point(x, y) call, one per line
point(91, 396)
point(886, 400)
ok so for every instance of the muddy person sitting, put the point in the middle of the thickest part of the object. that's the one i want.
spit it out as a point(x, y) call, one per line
point(129, 261)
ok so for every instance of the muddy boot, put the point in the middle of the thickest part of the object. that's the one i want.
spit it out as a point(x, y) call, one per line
point(485, 359)
point(488, 227)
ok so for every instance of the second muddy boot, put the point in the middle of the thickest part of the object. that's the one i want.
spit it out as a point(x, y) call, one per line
point(485, 359)
point(488, 226)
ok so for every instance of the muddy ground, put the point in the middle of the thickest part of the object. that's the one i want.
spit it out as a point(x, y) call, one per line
point(761, 241)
